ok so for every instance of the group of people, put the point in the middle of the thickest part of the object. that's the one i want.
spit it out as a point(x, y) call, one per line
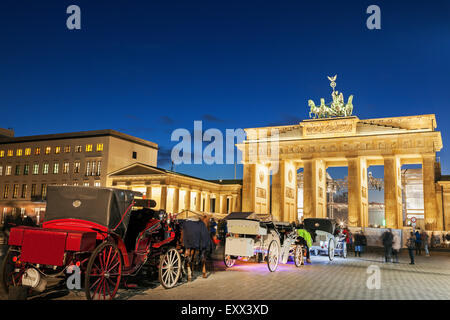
point(356, 242)
point(415, 242)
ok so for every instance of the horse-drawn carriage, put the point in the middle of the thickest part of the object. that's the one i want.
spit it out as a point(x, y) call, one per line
point(107, 233)
point(256, 235)
point(326, 238)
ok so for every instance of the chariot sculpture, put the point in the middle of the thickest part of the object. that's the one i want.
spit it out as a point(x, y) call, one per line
point(337, 108)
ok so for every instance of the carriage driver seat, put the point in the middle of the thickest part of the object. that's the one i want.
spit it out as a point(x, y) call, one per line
point(138, 221)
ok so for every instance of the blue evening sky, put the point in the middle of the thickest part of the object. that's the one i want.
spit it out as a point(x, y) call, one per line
point(148, 67)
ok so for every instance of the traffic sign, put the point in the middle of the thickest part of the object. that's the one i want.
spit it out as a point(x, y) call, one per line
point(413, 220)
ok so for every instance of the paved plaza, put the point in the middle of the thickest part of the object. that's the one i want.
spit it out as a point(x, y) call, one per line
point(342, 279)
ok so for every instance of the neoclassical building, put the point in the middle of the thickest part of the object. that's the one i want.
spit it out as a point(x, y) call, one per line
point(318, 144)
point(176, 192)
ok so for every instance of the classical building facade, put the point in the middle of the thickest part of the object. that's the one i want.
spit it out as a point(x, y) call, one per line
point(175, 192)
point(29, 164)
point(317, 144)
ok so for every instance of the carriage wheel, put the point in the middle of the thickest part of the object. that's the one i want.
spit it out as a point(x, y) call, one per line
point(11, 273)
point(170, 268)
point(103, 273)
point(228, 261)
point(331, 249)
point(298, 256)
point(273, 256)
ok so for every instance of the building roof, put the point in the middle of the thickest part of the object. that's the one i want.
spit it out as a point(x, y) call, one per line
point(75, 135)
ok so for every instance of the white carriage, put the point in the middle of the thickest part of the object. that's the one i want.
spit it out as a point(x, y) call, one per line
point(325, 237)
point(256, 236)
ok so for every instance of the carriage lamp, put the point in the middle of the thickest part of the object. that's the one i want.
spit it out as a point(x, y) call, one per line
point(78, 263)
point(14, 259)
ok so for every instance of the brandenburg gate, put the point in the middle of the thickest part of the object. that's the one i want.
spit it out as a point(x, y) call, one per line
point(335, 138)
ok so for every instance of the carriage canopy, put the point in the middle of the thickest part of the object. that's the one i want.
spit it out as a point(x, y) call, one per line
point(104, 206)
point(313, 224)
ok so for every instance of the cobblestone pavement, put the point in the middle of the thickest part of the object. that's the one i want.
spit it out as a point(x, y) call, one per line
point(342, 278)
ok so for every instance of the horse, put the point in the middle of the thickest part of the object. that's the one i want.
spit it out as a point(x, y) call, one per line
point(196, 239)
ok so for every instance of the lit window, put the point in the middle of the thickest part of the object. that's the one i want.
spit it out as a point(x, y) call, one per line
point(76, 167)
point(48, 150)
point(15, 191)
point(56, 168)
point(37, 151)
point(67, 149)
point(24, 190)
point(1, 170)
point(6, 191)
point(27, 151)
point(93, 168)
point(86, 184)
point(89, 148)
point(26, 169)
point(45, 169)
point(78, 149)
point(44, 190)
point(88, 168)
point(99, 167)
point(2, 153)
point(8, 170)
point(66, 167)
point(33, 190)
point(19, 152)
point(75, 183)
point(97, 184)
point(36, 168)
point(99, 146)
point(10, 153)
point(57, 150)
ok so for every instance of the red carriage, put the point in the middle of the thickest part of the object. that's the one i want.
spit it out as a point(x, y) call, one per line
point(107, 233)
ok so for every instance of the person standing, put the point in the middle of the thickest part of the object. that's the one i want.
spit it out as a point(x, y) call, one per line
point(424, 238)
point(411, 244)
point(387, 238)
point(418, 243)
point(396, 246)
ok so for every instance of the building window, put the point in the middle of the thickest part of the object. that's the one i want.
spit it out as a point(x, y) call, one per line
point(24, 190)
point(66, 167)
point(93, 169)
point(75, 183)
point(1, 170)
point(99, 146)
point(88, 168)
point(48, 150)
point(37, 151)
point(15, 191)
point(10, 153)
point(134, 155)
point(27, 151)
point(76, 167)
point(45, 169)
point(17, 170)
point(26, 169)
point(2, 153)
point(96, 184)
point(67, 149)
point(6, 191)
point(8, 170)
point(86, 184)
point(36, 168)
point(19, 152)
point(99, 168)
point(44, 190)
point(33, 190)
point(56, 168)
point(78, 149)
point(57, 150)
point(89, 148)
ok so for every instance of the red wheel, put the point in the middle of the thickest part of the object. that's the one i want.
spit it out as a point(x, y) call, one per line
point(103, 273)
point(11, 271)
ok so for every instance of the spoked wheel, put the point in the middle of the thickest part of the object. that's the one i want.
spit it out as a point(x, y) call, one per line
point(103, 273)
point(331, 249)
point(229, 262)
point(170, 268)
point(11, 271)
point(273, 256)
point(298, 256)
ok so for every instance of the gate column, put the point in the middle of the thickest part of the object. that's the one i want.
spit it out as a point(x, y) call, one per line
point(392, 192)
point(358, 199)
point(314, 189)
point(432, 222)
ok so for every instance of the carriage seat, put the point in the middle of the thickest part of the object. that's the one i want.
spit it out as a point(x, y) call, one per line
point(138, 222)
